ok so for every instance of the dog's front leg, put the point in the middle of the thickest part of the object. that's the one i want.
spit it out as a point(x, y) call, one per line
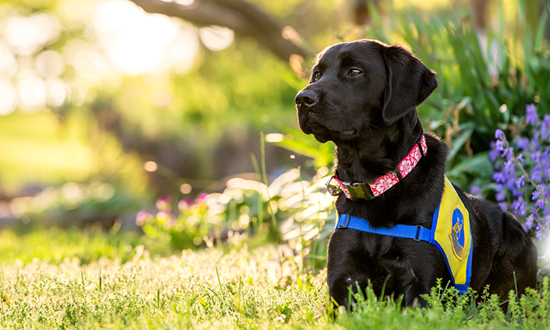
point(347, 266)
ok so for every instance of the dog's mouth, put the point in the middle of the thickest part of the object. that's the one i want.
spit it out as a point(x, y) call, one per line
point(313, 123)
point(348, 133)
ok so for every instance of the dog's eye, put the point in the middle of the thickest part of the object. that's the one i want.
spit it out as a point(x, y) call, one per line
point(316, 76)
point(355, 72)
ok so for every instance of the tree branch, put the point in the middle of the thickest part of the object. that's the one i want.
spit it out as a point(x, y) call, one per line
point(237, 15)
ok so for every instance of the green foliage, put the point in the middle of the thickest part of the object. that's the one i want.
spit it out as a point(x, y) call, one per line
point(484, 82)
point(75, 204)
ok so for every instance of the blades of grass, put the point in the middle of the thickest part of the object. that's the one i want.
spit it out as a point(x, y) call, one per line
point(264, 175)
point(256, 166)
point(158, 298)
point(539, 34)
point(100, 285)
point(377, 21)
point(256, 225)
point(222, 291)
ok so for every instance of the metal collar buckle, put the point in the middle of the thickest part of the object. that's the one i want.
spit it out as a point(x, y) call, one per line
point(332, 189)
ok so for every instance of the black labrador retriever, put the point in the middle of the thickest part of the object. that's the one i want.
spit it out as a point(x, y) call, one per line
point(363, 96)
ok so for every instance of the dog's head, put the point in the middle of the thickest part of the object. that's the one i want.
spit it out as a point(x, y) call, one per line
point(357, 86)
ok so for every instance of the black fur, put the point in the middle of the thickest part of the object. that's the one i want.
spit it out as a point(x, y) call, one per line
point(371, 117)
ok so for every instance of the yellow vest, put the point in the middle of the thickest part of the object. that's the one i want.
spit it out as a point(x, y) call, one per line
point(452, 235)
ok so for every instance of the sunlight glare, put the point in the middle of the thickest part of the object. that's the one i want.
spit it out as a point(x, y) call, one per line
point(29, 34)
point(8, 63)
point(185, 2)
point(137, 42)
point(274, 137)
point(32, 93)
point(88, 62)
point(8, 97)
point(56, 93)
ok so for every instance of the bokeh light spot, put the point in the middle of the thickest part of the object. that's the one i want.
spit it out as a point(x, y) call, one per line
point(186, 188)
point(8, 97)
point(150, 166)
point(49, 64)
point(216, 38)
point(32, 93)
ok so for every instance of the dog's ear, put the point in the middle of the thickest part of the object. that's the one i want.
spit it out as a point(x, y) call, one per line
point(409, 83)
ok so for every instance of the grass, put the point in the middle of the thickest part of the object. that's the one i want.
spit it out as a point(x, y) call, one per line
point(230, 288)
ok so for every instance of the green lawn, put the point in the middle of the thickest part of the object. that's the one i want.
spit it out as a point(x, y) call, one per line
point(70, 285)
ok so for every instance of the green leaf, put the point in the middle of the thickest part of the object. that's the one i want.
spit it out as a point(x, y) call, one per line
point(466, 131)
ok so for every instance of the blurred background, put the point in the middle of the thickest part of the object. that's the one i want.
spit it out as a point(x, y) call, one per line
point(175, 119)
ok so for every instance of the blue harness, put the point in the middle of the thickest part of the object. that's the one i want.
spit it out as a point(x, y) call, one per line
point(450, 233)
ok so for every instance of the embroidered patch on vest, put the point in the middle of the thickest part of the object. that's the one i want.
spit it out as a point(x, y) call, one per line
point(457, 233)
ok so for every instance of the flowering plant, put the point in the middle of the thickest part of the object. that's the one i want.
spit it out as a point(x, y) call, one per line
point(288, 209)
point(184, 228)
point(522, 172)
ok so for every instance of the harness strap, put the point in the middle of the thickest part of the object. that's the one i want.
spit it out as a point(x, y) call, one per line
point(417, 233)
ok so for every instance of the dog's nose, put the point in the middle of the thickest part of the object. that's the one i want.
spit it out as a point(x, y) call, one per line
point(306, 98)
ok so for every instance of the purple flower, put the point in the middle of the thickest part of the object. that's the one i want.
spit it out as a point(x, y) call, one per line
point(522, 143)
point(499, 177)
point(509, 153)
point(544, 131)
point(520, 159)
point(535, 157)
point(536, 173)
point(520, 166)
point(531, 114)
point(475, 190)
point(519, 206)
point(509, 166)
point(520, 182)
point(493, 154)
point(529, 221)
point(539, 232)
point(503, 206)
point(517, 192)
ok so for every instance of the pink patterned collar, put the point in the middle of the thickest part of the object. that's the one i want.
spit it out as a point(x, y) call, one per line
point(358, 190)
